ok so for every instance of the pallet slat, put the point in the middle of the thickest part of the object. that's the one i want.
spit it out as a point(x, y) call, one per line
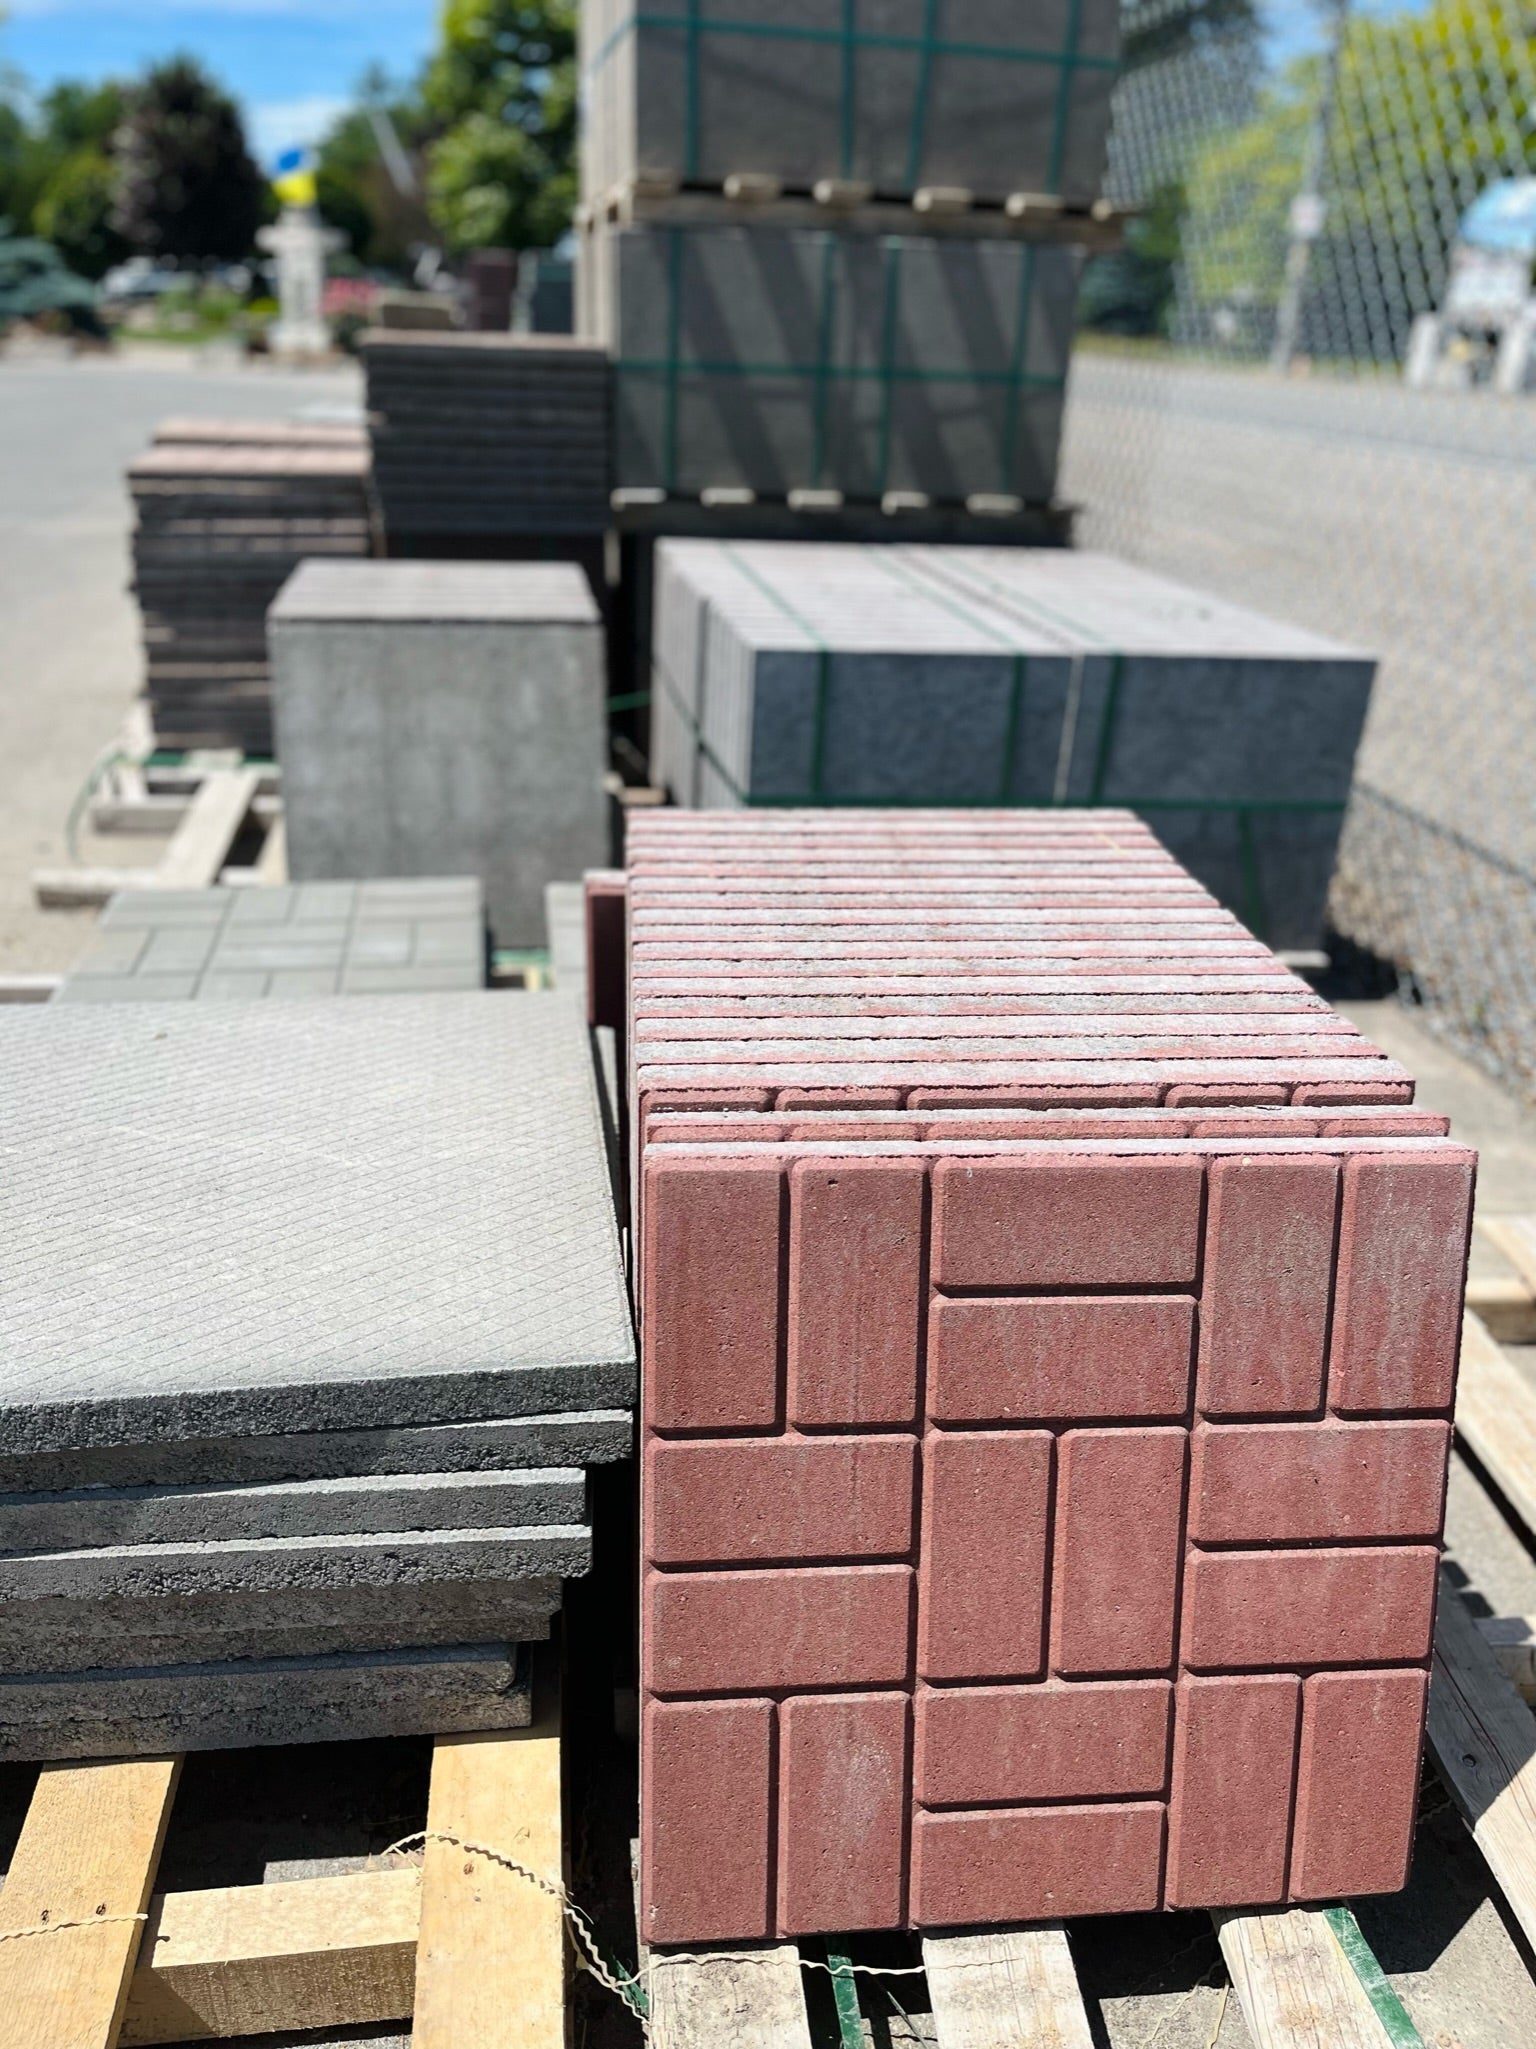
point(1012, 1989)
point(88, 1851)
point(1297, 1987)
point(1483, 1740)
point(1496, 1416)
point(731, 1999)
point(253, 1959)
point(490, 1966)
point(200, 844)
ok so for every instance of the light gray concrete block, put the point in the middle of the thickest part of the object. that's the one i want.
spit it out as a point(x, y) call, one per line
point(217, 1221)
point(381, 1559)
point(586, 1437)
point(996, 96)
point(82, 1518)
point(780, 359)
point(128, 1713)
point(443, 717)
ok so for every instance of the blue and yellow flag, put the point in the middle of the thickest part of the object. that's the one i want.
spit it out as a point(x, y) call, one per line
point(293, 180)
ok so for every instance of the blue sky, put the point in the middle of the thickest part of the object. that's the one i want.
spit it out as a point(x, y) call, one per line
point(292, 63)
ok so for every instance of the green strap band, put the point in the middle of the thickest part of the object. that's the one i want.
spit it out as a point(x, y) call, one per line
point(848, 106)
point(1008, 450)
point(673, 364)
point(824, 365)
point(845, 1994)
point(1069, 62)
point(918, 134)
point(1389, 2009)
point(1109, 722)
point(860, 39)
point(853, 373)
point(889, 330)
point(691, 109)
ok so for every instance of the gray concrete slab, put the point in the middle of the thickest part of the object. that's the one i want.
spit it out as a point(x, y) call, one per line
point(87, 1517)
point(443, 718)
point(380, 1559)
point(582, 1438)
point(126, 1713)
point(294, 940)
point(216, 1222)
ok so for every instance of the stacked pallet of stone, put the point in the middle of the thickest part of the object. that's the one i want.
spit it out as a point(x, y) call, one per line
point(313, 1320)
point(220, 525)
point(1049, 1321)
point(488, 443)
point(835, 260)
point(303, 939)
point(787, 673)
point(442, 718)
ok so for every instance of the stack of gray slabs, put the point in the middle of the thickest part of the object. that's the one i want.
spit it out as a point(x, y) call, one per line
point(993, 97)
point(220, 526)
point(804, 674)
point(311, 1319)
point(486, 436)
point(783, 360)
point(297, 939)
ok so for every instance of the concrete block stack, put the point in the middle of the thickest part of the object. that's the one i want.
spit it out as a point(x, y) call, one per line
point(1050, 1313)
point(443, 718)
point(305, 939)
point(220, 524)
point(487, 443)
point(312, 1319)
point(791, 673)
point(835, 259)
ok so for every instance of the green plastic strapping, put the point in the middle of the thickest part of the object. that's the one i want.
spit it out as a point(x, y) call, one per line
point(691, 112)
point(1008, 452)
point(1063, 92)
point(1011, 730)
point(632, 700)
point(1257, 916)
point(919, 130)
point(845, 1993)
point(850, 87)
point(1389, 2009)
point(824, 357)
point(1107, 726)
point(844, 36)
point(854, 373)
point(888, 333)
point(674, 343)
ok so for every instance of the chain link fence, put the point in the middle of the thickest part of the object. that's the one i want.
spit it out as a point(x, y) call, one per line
point(1239, 417)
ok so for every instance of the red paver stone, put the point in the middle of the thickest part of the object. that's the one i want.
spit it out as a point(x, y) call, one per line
point(1119, 1533)
point(1357, 1782)
point(1402, 1267)
point(855, 1271)
point(766, 1501)
point(980, 1746)
point(1249, 1609)
point(843, 1780)
point(711, 1324)
point(1268, 1268)
point(986, 1495)
point(705, 1820)
point(751, 1632)
point(1088, 1223)
point(604, 895)
point(1253, 1096)
point(1036, 1863)
point(1059, 1358)
point(1234, 1764)
point(1297, 1483)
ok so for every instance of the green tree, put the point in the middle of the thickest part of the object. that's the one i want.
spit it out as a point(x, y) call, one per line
point(384, 225)
point(186, 184)
point(500, 92)
point(74, 175)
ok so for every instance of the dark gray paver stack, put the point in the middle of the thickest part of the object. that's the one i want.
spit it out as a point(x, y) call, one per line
point(789, 673)
point(439, 718)
point(297, 939)
point(487, 438)
point(311, 1317)
point(219, 527)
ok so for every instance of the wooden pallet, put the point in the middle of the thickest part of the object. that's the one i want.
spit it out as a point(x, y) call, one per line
point(201, 806)
point(465, 1950)
point(1506, 1303)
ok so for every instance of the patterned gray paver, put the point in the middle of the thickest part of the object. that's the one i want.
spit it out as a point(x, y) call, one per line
point(391, 937)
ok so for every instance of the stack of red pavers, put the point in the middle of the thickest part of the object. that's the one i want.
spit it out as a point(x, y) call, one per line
point(1050, 1313)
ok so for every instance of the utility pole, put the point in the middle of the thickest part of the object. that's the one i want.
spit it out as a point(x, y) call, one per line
point(1309, 208)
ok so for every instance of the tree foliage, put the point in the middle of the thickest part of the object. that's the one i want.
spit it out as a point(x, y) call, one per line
point(186, 185)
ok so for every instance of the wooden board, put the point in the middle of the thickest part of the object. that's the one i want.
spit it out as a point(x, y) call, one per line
point(251, 1959)
point(1298, 1989)
point(1482, 1737)
point(1496, 1417)
point(272, 861)
point(1512, 1639)
point(1012, 1989)
point(490, 1967)
point(1506, 1307)
point(87, 1852)
point(1515, 1237)
point(200, 845)
point(729, 1999)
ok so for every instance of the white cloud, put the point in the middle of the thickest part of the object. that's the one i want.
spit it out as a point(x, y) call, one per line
point(286, 124)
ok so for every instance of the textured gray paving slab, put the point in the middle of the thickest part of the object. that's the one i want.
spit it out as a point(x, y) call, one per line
point(586, 1437)
point(371, 1558)
point(316, 1215)
point(124, 1713)
point(309, 939)
point(91, 1516)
